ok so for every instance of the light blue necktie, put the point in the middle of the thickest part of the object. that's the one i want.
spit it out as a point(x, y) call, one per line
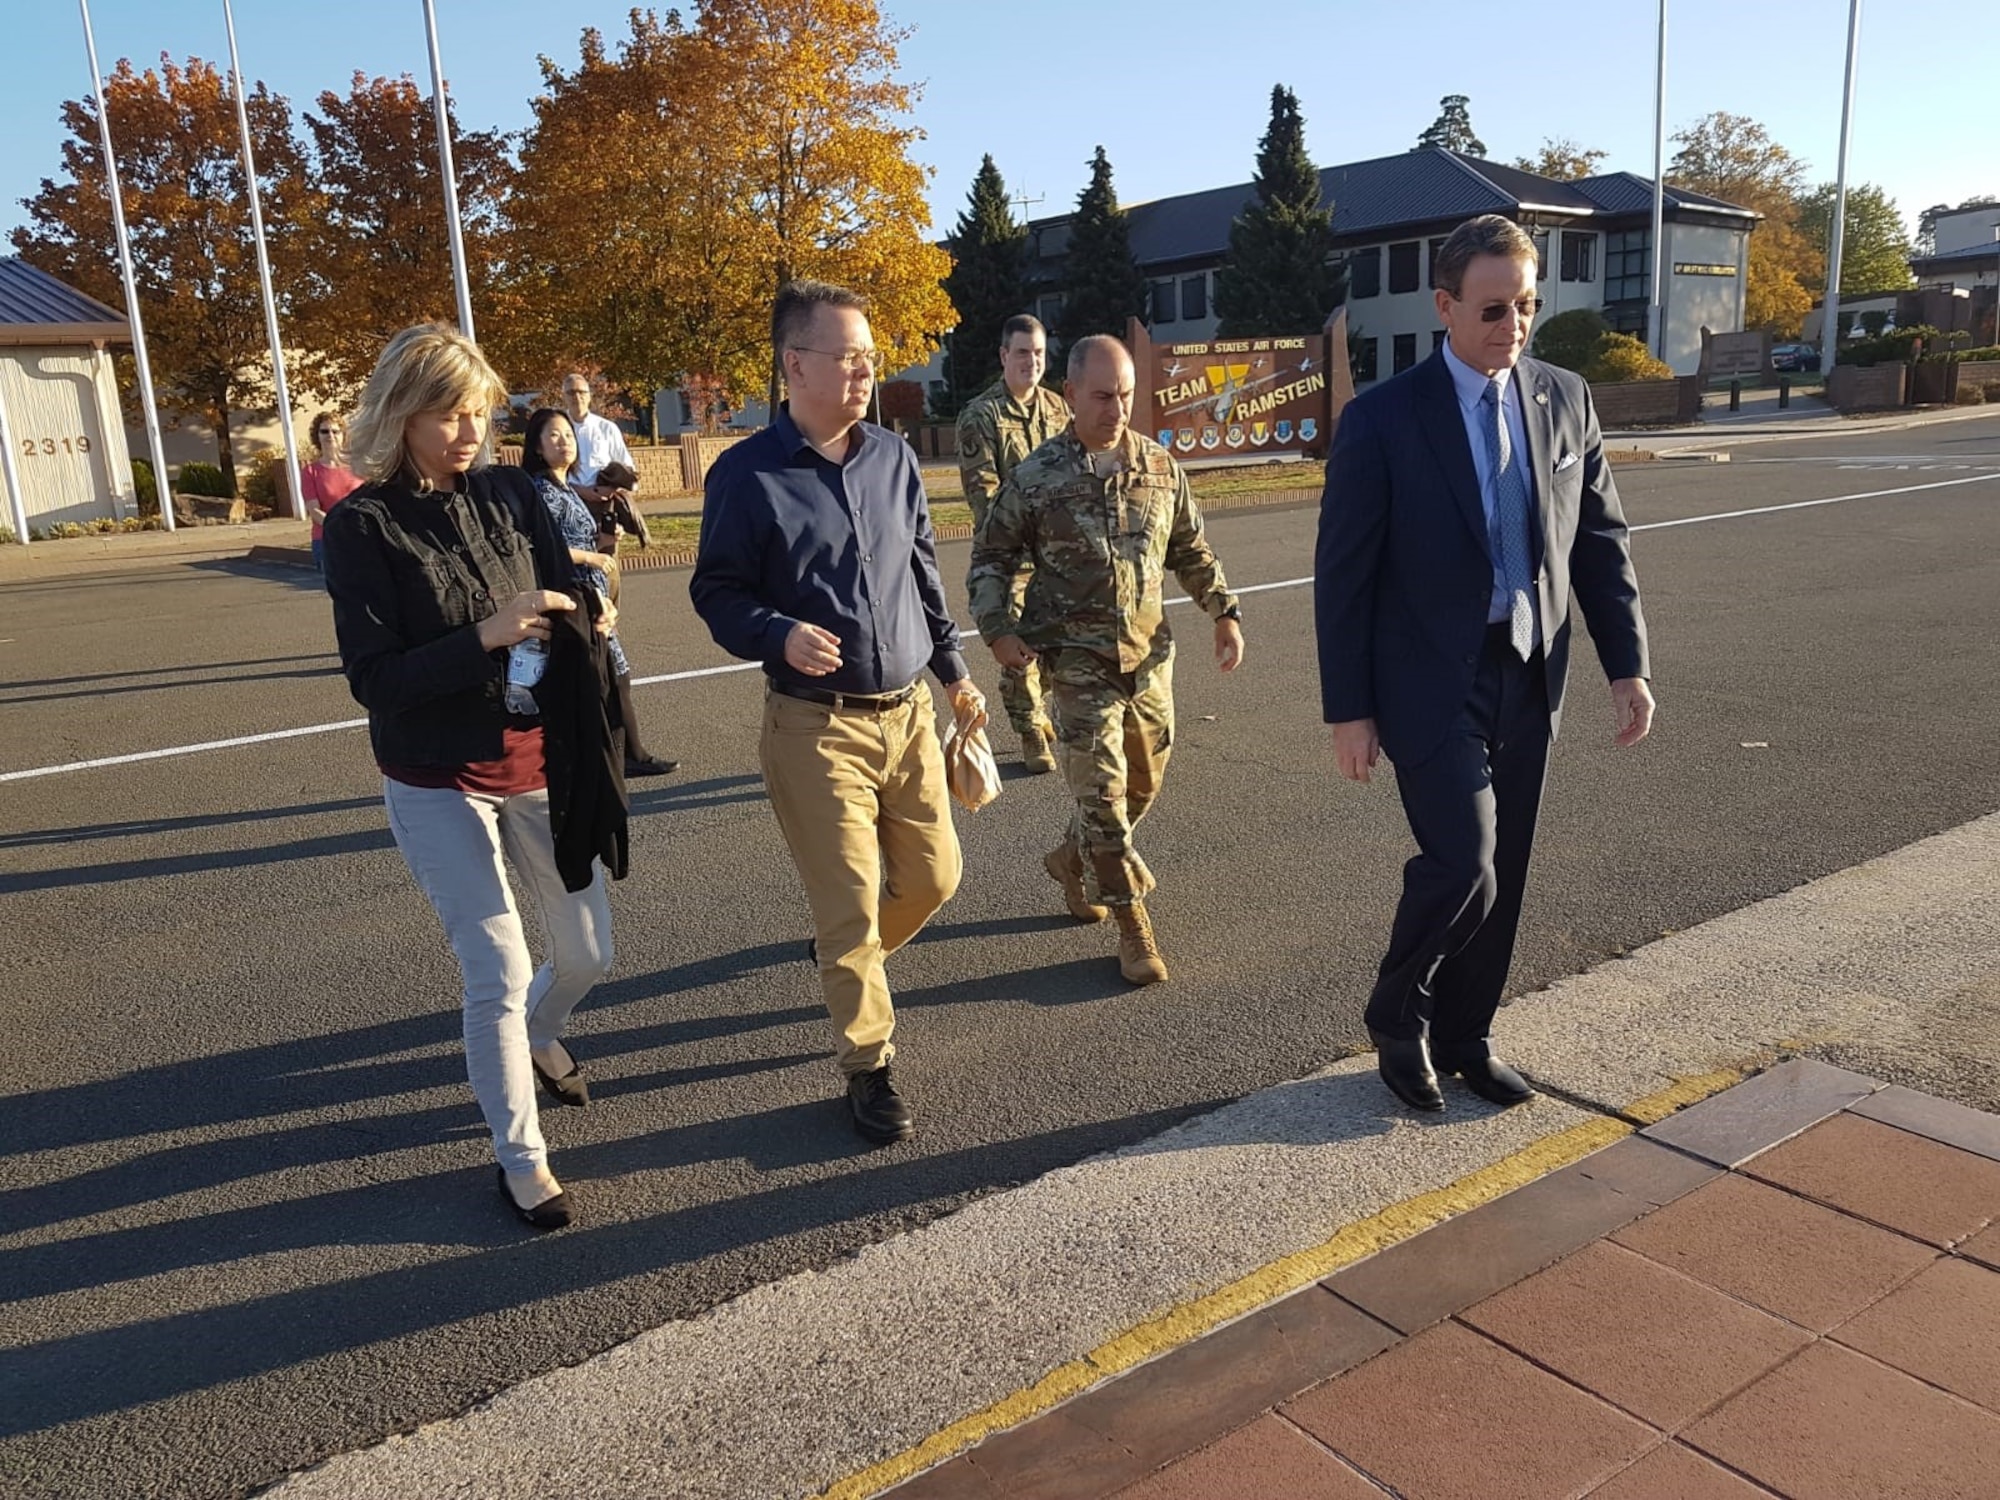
point(1510, 523)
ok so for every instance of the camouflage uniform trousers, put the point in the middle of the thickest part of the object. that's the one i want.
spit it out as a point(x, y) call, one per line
point(1115, 731)
point(1023, 690)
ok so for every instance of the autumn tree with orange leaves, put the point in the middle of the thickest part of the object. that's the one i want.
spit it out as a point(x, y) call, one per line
point(181, 176)
point(375, 257)
point(667, 190)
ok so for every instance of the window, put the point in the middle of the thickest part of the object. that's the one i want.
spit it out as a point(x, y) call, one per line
point(1364, 269)
point(1406, 351)
point(1431, 266)
point(1628, 266)
point(1194, 297)
point(1579, 257)
point(1364, 362)
point(1163, 302)
point(1437, 339)
point(1049, 310)
point(1403, 267)
point(1629, 317)
point(1541, 239)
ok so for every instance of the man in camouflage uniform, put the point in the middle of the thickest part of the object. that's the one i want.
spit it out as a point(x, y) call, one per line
point(1102, 514)
point(1004, 424)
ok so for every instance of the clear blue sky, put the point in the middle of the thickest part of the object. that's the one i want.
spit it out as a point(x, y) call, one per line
point(1176, 91)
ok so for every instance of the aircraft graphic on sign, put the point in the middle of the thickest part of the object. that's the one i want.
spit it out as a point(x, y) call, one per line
point(1229, 383)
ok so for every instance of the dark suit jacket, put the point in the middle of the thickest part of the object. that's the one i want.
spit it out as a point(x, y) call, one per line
point(1404, 575)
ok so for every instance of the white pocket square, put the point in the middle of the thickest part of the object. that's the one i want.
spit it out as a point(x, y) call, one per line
point(1564, 462)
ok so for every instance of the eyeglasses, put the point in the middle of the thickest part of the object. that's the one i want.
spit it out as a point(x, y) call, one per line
point(576, 390)
point(848, 359)
point(1525, 309)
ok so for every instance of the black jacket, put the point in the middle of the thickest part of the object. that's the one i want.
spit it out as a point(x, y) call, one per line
point(411, 578)
point(583, 746)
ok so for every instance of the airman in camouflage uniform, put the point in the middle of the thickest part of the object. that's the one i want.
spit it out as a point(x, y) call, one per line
point(1102, 515)
point(1001, 426)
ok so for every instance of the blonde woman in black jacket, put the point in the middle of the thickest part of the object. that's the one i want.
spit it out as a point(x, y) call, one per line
point(438, 566)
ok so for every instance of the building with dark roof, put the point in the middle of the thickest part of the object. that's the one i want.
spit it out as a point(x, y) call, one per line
point(60, 398)
point(1391, 214)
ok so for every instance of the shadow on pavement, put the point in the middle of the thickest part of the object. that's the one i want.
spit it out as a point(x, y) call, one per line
point(68, 1379)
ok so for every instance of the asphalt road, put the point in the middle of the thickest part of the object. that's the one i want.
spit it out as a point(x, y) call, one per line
point(246, 1211)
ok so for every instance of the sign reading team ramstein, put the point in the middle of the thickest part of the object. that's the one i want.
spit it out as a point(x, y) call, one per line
point(1240, 398)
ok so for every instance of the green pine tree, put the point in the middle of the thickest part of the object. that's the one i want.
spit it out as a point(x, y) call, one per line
point(1102, 285)
point(987, 285)
point(1276, 279)
point(1452, 129)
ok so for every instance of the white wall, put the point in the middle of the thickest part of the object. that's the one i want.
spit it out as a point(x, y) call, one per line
point(1697, 302)
point(69, 448)
point(1971, 230)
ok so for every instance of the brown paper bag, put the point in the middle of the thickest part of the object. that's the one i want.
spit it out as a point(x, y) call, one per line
point(969, 766)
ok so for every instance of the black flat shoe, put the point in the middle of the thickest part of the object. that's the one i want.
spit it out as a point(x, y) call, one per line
point(550, 1213)
point(652, 765)
point(572, 1088)
point(1491, 1079)
point(1405, 1065)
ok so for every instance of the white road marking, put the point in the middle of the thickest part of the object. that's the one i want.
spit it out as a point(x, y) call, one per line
point(750, 666)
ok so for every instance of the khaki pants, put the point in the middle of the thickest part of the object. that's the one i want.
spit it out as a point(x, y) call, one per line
point(861, 800)
point(1116, 732)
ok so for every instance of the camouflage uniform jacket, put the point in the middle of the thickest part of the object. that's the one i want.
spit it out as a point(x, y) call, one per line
point(1100, 549)
point(995, 432)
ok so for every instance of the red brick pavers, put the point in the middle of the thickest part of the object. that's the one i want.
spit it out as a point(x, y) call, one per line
point(1814, 1316)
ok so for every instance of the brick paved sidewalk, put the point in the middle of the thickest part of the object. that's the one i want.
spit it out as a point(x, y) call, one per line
point(1791, 1289)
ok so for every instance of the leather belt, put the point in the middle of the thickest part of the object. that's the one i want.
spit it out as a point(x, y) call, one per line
point(873, 703)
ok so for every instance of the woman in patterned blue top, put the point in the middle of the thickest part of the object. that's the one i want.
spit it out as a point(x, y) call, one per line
point(547, 451)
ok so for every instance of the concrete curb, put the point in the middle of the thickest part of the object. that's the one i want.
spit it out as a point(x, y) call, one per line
point(1023, 1299)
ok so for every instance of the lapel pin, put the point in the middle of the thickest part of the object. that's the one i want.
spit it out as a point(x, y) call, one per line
point(1541, 398)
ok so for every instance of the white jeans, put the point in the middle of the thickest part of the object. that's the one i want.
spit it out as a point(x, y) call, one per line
point(452, 842)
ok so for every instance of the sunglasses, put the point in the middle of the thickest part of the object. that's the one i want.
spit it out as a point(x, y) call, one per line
point(1526, 308)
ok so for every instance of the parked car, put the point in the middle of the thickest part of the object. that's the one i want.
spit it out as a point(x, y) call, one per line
point(1794, 357)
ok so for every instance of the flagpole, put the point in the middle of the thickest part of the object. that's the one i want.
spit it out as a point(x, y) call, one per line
point(17, 500)
point(284, 395)
point(449, 174)
point(1829, 323)
point(161, 488)
point(1656, 320)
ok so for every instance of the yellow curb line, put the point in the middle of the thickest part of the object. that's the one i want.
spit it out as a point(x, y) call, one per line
point(1183, 1324)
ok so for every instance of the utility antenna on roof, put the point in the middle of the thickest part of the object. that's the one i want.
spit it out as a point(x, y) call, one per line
point(1026, 203)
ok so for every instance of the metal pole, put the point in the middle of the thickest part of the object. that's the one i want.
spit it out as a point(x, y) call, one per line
point(450, 174)
point(161, 488)
point(1829, 323)
point(17, 498)
point(1656, 321)
point(296, 491)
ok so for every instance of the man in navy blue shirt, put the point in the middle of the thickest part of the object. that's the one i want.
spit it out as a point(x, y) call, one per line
point(817, 560)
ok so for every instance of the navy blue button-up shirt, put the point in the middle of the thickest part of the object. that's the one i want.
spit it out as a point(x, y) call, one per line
point(789, 536)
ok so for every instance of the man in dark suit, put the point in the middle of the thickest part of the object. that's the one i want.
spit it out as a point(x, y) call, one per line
point(1466, 500)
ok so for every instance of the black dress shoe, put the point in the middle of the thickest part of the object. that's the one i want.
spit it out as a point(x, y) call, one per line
point(1405, 1065)
point(880, 1115)
point(572, 1088)
point(550, 1213)
point(650, 765)
point(1490, 1078)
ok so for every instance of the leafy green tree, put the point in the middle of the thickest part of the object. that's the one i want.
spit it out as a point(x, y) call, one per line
point(987, 284)
point(1277, 279)
point(1570, 339)
point(1452, 129)
point(1874, 249)
point(1103, 286)
point(1561, 159)
point(1619, 356)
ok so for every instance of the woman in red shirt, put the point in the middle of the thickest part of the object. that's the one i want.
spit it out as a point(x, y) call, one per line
point(326, 481)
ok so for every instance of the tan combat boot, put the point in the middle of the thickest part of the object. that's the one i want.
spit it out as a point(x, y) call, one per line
point(1138, 955)
point(1036, 752)
point(1065, 865)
